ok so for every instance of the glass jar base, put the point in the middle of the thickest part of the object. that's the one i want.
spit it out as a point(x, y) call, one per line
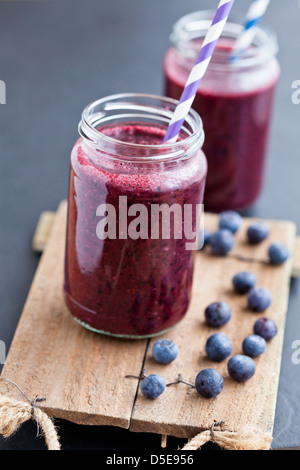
point(114, 335)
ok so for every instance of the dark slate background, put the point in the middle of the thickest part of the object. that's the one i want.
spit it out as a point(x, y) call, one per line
point(57, 56)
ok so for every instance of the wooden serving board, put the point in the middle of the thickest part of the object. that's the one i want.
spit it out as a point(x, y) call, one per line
point(82, 373)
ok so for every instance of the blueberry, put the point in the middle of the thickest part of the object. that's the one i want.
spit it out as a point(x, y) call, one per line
point(230, 220)
point(206, 235)
point(265, 327)
point(243, 282)
point(222, 242)
point(241, 368)
point(153, 386)
point(259, 299)
point(278, 254)
point(257, 233)
point(209, 383)
point(164, 351)
point(204, 238)
point(217, 314)
point(254, 346)
point(218, 347)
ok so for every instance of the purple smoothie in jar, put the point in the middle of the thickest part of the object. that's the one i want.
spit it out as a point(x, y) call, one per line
point(235, 101)
point(122, 286)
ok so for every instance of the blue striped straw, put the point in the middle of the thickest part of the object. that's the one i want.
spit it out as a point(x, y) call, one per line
point(198, 71)
point(255, 13)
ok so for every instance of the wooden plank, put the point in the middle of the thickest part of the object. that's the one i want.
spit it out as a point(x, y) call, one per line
point(180, 411)
point(43, 230)
point(51, 355)
point(296, 264)
point(82, 373)
point(164, 439)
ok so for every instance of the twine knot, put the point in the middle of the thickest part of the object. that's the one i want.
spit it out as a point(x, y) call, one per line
point(248, 438)
point(14, 413)
point(33, 412)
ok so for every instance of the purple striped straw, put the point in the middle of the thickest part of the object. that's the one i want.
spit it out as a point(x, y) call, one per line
point(198, 71)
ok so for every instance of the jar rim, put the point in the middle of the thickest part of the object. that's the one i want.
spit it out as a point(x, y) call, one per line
point(195, 25)
point(143, 106)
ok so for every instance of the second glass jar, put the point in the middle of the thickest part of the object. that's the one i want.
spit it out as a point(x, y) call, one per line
point(235, 101)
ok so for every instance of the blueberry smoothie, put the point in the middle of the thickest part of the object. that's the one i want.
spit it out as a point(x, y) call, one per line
point(235, 102)
point(121, 286)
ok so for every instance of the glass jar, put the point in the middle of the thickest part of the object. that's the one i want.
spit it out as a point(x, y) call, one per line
point(123, 275)
point(235, 101)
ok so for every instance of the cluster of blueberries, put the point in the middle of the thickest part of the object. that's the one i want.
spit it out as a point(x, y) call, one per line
point(219, 347)
point(209, 382)
point(223, 241)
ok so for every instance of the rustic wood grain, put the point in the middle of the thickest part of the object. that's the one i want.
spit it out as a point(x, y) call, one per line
point(296, 259)
point(82, 373)
point(180, 411)
point(43, 230)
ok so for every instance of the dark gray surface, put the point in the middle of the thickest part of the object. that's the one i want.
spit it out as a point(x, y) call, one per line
point(56, 57)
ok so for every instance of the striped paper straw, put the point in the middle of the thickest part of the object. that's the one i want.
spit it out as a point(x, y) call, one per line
point(198, 71)
point(255, 13)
